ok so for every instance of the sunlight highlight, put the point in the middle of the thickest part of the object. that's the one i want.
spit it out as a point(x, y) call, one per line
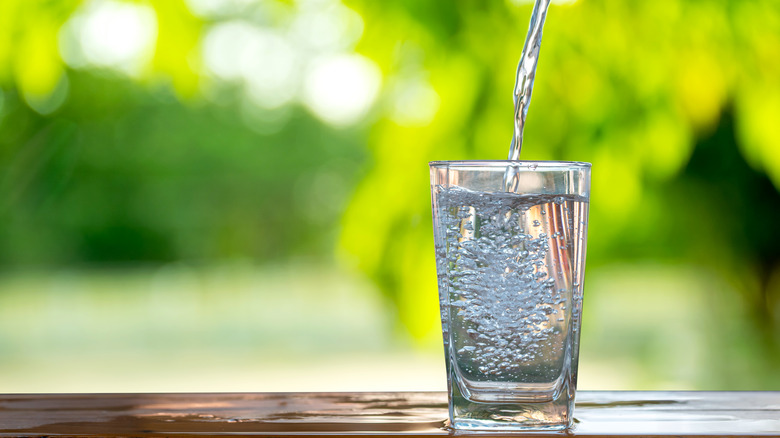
point(112, 34)
point(260, 58)
point(340, 89)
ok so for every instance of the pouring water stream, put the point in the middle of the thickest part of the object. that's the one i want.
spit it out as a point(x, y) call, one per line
point(526, 72)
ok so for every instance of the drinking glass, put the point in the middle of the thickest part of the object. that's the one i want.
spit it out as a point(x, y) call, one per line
point(510, 254)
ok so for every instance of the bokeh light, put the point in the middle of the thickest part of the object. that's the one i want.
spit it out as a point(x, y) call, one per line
point(239, 187)
point(107, 33)
point(341, 89)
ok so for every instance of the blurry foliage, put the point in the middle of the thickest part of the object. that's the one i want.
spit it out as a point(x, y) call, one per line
point(145, 169)
point(124, 175)
point(676, 105)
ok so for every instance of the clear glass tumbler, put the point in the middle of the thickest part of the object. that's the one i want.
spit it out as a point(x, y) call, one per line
point(510, 252)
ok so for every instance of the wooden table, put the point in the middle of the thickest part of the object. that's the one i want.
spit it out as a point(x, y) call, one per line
point(646, 414)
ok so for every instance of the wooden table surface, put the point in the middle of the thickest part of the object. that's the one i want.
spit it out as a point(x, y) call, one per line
point(646, 414)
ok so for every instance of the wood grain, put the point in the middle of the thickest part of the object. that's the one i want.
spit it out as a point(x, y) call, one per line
point(647, 414)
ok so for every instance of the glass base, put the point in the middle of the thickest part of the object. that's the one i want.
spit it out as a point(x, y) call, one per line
point(553, 414)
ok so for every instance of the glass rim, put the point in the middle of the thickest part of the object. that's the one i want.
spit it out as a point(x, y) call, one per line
point(533, 164)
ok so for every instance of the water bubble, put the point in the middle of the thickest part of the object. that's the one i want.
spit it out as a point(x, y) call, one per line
point(501, 281)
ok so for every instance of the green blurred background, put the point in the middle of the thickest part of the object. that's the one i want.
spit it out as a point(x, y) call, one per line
point(233, 194)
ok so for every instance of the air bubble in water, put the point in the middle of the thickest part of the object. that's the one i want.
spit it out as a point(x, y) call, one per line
point(501, 282)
